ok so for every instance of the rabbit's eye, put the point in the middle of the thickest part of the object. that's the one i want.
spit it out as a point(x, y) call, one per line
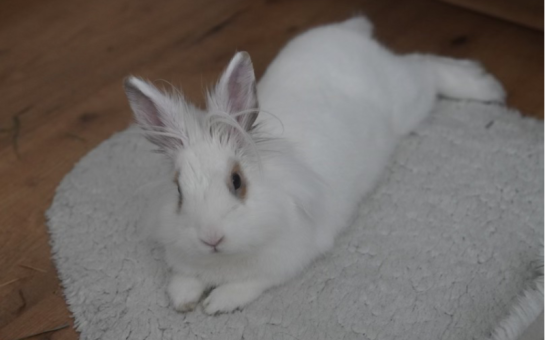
point(179, 190)
point(180, 197)
point(237, 183)
point(235, 179)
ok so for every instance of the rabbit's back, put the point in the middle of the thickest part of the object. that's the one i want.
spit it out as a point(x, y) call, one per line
point(333, 88)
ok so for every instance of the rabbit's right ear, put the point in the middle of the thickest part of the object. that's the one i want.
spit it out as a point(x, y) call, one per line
point(236, 92)
point(153, 112)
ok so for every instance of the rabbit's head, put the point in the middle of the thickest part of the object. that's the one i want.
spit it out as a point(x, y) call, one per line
point(224, 203)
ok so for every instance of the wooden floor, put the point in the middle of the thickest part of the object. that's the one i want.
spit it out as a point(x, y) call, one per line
point(61, 67)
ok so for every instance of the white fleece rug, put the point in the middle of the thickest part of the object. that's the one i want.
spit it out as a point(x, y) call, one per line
point(440, 250)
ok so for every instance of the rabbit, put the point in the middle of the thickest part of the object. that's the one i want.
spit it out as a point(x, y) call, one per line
point(269, 173)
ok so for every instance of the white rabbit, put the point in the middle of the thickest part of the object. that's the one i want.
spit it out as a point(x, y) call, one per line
point(261, 196)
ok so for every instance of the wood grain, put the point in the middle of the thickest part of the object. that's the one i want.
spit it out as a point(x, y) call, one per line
point(523, 12)
point(61, 68)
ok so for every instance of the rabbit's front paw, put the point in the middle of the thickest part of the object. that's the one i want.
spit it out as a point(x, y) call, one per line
point(231, 296)
point(185, 292)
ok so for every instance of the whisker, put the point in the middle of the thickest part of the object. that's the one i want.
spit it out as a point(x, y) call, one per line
point(158, 133)
point(174, 89)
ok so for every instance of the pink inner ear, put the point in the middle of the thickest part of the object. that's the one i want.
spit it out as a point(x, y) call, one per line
point(146, 113)
point(241, 90)
point(151, 112)
point(157, 124)
point(241, 86)
point(237, 92)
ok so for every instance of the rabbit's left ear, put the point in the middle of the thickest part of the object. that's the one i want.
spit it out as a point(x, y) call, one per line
point(236, 91)
point(156, 113)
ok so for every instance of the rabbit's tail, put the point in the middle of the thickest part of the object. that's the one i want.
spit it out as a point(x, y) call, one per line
point(446, 77)
point(463, 79)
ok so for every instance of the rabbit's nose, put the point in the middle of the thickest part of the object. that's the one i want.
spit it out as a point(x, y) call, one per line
point(213, 242)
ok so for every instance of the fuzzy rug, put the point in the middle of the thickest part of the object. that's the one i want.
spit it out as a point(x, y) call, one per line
point(441, 249)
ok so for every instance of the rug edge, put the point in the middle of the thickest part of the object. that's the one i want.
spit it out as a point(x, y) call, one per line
point(529, 307)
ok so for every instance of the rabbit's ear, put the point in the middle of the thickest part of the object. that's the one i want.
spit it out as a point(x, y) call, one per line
point(151, 111)
point(236, 91)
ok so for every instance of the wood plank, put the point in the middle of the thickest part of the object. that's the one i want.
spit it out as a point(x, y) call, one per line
point(62, 65)
point(523, 12)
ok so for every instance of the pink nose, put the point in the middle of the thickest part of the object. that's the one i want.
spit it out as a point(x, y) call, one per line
point(212, 242)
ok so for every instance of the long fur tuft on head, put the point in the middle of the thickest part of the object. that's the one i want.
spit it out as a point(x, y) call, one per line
point(172, 123)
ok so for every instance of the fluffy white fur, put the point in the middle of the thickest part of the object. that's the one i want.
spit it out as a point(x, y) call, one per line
point(339, 103)
point(525, 311)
